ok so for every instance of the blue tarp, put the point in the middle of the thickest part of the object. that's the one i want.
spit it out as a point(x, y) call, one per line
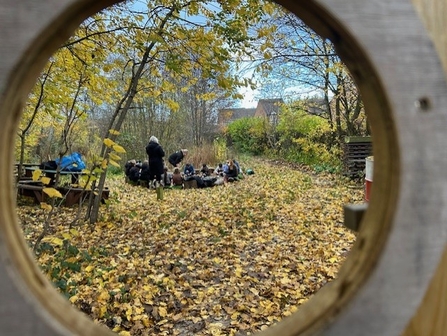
point(72, 162)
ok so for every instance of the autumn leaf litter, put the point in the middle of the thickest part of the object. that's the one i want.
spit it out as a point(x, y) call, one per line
point(228, 260)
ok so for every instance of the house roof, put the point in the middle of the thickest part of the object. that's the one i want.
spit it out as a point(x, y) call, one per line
point(230, 114)
point(316, 105)
point(242, 112)
point(270, 105)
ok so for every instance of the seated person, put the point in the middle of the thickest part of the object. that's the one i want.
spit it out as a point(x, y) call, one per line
point(189, 170)
point(219, 171)
point(209, 181)
point(134, 173)
point(219, 181)
point(199, 180)
point(177, 179)
point(238, 166)
point(205, 171)
point(166, 177)
point(230, 172)
point(129, 164)
point(144, 174)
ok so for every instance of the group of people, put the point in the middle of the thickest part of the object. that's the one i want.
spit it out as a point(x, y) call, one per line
point(154, 173)
point(153, 170)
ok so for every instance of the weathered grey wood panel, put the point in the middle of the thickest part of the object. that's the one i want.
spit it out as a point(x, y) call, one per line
point(403, 235)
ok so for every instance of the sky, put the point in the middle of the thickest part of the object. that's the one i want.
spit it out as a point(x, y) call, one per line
point(249, 100)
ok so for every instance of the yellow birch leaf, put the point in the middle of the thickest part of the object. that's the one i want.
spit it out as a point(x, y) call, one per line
point(46, 206)
point(66, 235)
point(74, 232)
point(104, 296)
point(114, 132)
point(45, 180)
point(98, 171)
point(36, 174)
point(108, 142)
point(146, 321)
point(52, 192)
point(56, 241)
point(162, 311)
point(238, 272)
point(113, 163)
point(254, 291)
point(129, 314)
point(113, 156)
point(102, 311)
point(173, 105)
point(73, 299)
point(285, 281)
point(118, 149)
point(104, 164)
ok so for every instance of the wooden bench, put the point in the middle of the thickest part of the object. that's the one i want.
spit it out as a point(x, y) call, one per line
point(72, 195)
point(33, 190)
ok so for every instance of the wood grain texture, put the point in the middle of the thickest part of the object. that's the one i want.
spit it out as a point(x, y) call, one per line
point(403, 235)
point(30, 32)
point(434, 15)
point(431, 316)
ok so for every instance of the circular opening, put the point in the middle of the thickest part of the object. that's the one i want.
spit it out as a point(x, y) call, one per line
point(328, 301)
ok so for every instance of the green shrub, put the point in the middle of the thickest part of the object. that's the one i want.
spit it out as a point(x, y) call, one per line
point(249, 135)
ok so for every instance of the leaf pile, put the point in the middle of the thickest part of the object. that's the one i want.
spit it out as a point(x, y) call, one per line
point(228, 260)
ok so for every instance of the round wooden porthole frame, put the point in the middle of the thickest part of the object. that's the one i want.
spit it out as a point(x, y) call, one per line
point(383, 281)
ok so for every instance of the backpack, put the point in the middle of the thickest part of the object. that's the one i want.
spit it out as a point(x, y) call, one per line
point(48, 165)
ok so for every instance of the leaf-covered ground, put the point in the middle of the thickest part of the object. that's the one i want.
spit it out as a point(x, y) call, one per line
point(228, 260)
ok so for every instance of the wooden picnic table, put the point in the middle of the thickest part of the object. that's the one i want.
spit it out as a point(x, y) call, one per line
point(25, 165)
point(73, 196)
point(50, 173)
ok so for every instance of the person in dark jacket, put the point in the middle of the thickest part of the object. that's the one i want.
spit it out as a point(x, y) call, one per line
point(177, 157)
point(205, 171)
point(129, 164)
point(156, 155)
point(189, 170)
point(230, 171)
point(145, 174)
point(134, 174)
point(167, 177)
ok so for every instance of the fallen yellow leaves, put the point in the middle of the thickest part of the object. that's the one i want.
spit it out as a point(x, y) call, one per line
point(215, 261)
